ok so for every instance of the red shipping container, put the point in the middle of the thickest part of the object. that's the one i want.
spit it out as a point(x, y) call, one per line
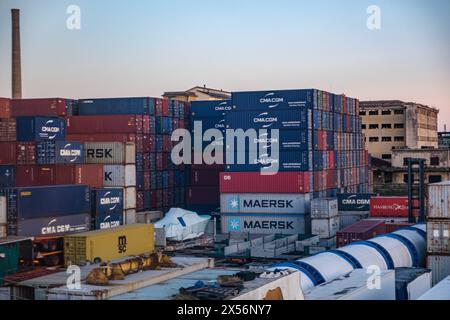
point(254, 182)
point(391, 227)
point(153, 201)
point(8, 153)
point(167, 143)
point(89, 174)
point(331, 159)
point(390, 207)
point(140, 201)
point(99, 137)
point(8, 130)
point(165, 108)
point(26, 153)
point(5, 108)
point(105, 124)
point(52, 107)
point(202, 196)
point(31, 176)
point(360, 231)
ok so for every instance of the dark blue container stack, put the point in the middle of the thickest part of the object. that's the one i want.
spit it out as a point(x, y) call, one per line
point(107, 208)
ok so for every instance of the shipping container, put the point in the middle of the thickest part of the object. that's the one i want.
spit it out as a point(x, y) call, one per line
point(33, 176)
point(3, 211)
point(107, 201)
point(130, 216)
point(51, 107)
point(69, 152)
point(107, 245)
point(26, 153)
point(203, 195)
point(348, 218)
point(325, 228)
point(129, 196)
point(439, 266)
point(110, 152)
point(108, 124)
point(51, 226)
point(354, 202)
point(439, 200)
point(265, 203)
point(324, 208)
point(264, 224)
point(210, 109)
point(117, 106)
point(108, 221)
point(8, 154)
point(119, 176)
point(360, 231)
point(440, 292)
point(7, 176)
point(8, 132)
point(390, 207)
point(40, 129)
point(91, 175)
point(253, 182)
point(5, 108)
point(43, 202)
point(438, 232)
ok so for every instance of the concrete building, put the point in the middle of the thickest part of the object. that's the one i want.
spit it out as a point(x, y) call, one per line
point(444, 139)
point(198, 94)
point(394, 124)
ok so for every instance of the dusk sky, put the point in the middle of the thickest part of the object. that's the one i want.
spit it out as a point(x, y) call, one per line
point(146, 47)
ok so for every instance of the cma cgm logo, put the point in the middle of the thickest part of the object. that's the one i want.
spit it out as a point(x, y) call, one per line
point(48, 128)
point(223, 107)
point(220, 125)
point(53, 228)
point(106, 200)
point(265, 118)
point(107, 223)
point(271, 99)
point(353, 201)
point(68, 152)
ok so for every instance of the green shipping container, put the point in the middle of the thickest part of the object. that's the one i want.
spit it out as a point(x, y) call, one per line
point(9, 259)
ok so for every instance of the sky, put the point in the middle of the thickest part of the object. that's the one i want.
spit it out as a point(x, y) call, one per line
point(147, 47)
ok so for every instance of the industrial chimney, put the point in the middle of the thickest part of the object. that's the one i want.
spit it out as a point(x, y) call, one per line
point(16, 63)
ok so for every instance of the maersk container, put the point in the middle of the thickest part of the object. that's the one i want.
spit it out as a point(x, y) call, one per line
point(117, 106)
point(110, 153)
point(107, 201)
point(43, 202)
point(438, 232)
point(51, 226)
point(324, 208)
point(40, 129)
point(210, 109)
point(274, 100)
point(106, 245)
point(287, 161)
point(119, 176)
point(354, 202)
point(439, 200)
point(265, 203)
point(108, 221)
point(264, 224)
point(325, 228)
point(269, 120)
point(7, 176)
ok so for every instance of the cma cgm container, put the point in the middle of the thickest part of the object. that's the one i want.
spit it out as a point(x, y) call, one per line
point(59, 152)
point(264, 224)
point(109, 152)
point(109, 221)
point(119, 176)
point(52, 107)
point(354, 202)
point(51, 226)
point(40, 129)
point(275, 100)
point(283, 119)
point(43, 202)
point(361, 231)
point(439, 200)
point(108, 124)
point(286, 140)
point(210, 109)
point(116, 106)
point(107, 201)
point(254, 182)
point(7, 176)
point(265, 203)
point(107, 245)
point(390, 207)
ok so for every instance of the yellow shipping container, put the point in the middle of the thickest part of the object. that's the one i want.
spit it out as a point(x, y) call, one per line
point(106, 245)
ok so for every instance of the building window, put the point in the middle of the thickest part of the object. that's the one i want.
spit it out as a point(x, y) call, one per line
point(363, 113)
point(386, 157)
point(434, 179)
point(386, 112)
point(434, 161)
point(374, 126)
point(388, 178)
point(386, 126)
point(405, 178)
point(399, 139)
point(373, 113)
point(364, 127)
point(387, 139)
point(399, 126)
point(405, 162)
point(374, 139)
point(399, 112)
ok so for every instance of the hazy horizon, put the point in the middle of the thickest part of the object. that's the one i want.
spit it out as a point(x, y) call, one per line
point(143, 48)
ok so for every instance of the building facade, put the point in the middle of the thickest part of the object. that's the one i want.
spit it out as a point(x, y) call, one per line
point(198, 94)
point(393, 124)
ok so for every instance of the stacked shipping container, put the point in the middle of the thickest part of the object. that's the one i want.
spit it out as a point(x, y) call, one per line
point(320, 142)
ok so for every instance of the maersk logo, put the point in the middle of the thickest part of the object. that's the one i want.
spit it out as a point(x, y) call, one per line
point(269, 225)
point(106, 200)
point(265, 118)
point(53, 228)
point(223, 107)
point(108, 224)
point(68, 152)
point(269, 204)
point(233, 204)
point(234, 224)
point(271, 98)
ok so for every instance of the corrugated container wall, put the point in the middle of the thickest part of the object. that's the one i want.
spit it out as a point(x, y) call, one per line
point(265, 203)
point(264, 224)
point(439, 200)
point(324, 208)
point(438, 232)
point(110, 152)
point(119, 176)
point(440, 266)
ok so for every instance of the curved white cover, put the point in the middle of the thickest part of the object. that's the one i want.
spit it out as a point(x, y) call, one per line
point(397, 250)
point(305, 281)
point(194, 225)
point(418, 241)
point(366, 256)
point(330, 265)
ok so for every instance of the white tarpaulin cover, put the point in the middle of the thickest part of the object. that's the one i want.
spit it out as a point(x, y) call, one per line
point(182, 225)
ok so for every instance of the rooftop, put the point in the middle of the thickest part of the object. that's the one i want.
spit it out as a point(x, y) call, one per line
point(216, 93)
point(392, 104)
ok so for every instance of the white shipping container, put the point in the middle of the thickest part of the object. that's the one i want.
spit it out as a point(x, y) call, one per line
point(440, 266)
point(324, 208)
point(441, 292)
point(325, 228)
point(129, 195)
point(109, 153)
point(119, 176)
point(438, 233)
point(265, 203)
point(5, 293)
point(3, 216)
point(264, 224)
point(439, 200)
point(130, 216)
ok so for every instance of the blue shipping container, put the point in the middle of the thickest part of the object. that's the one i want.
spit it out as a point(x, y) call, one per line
point(43, 202)
point(107, 201)
point(7, 176)
point(108, 221)
point(210, 109)
point(210, 123)
point(274, 100)
point(116, 106)
point(59, 152)
point(40, 129)
point(354, 202)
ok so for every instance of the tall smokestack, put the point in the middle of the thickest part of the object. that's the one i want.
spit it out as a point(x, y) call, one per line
point(16, 63)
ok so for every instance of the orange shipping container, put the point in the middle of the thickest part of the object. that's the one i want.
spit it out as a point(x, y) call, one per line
point(5, 108)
